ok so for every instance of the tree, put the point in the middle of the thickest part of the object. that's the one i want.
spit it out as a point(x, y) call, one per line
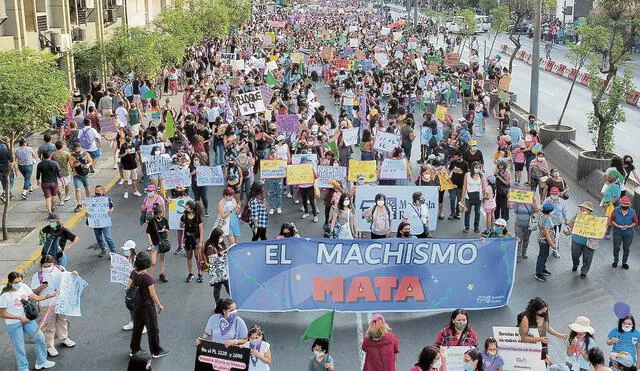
point(620, 20)
point(499, 24)
point(469, 26)
point(132, 49)
point(592, 38)
point(488, 5)
point(32, 90)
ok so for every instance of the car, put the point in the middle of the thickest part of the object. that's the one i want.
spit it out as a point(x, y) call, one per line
point(483, 22)
point(456, 25)
point(523, 28)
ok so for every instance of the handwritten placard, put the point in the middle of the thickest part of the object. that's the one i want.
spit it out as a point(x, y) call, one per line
point(176, 210)
point(209, 176)
point(267, 94)
point(120, 269)
point(287, 123)
point(505, 82)
point(297, 58)
point(98, 212)
point(521, 196)
point(327, 173)
point(70, 297)
point(441, 112)
point(213, 356)
point(173, 178)
point(300, 174)
point(393, 169)
point(300, 158)
point(108, 128)
point(157, 164)
point(452, 59)
point(145, 150)
point(386, 142)
point(350, 136)
point(590, 226)
point(249, 103)
point(273, 169)
point(366, 168)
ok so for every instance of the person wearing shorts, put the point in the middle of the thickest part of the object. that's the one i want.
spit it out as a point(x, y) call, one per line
point(128, 161)
point(47, 176)
point(80, 162)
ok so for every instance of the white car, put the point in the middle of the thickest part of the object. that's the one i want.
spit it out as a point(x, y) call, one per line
point(456, 25)
point(483, 22)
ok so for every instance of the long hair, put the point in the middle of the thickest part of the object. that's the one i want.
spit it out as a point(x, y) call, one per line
point(377, 329)
point(475, 355)
point(531, 311)
point(427, 356)
point(621, 320)
point(257, 190)
point(10, 278)
point(214, 240)
point(222, 305)
point(455, 314)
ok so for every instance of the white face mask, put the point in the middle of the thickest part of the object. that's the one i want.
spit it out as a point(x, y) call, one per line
point(127, 253)
point(627, 328)
point(380, 202)
point(492, 353)
point(346, 202)
point(255, 342)
point(318, 353)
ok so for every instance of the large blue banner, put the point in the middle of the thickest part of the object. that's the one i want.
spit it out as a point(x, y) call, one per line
point(372, 275)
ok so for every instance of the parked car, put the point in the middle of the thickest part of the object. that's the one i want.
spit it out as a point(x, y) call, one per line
point(523, 28)
point(483, 22)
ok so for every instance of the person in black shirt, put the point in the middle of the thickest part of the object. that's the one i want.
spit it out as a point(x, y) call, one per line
point(55, 237)
point(157, 229)
point(5, 165)
point(47, 175)
point(473, 154)
point(191, 222)
point(458, 168)
point(129, 161)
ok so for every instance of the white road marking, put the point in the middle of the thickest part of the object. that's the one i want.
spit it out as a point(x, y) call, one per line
point(546, 92)
point(619, 128)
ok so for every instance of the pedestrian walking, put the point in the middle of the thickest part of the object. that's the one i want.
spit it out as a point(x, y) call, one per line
point(227, 219)
point(103, 234)
point(81, 163)
point(89, 140)
point(215, 251)
point(379, 217)
point(145, 311)
point(623, 220)
point(54, 238)
point(558, 216)
point(579, 343)
point(61, 157)
point(321, 360)
point(380, 345)
point(473, 194)
point(536, 316)
point(193, 226)
point(129, 156)
point(546, 240)
point(129, 251)
point(46, 282)
point(258, 215)
point(157, 232)
point(343, 221)
point(48, 175)
point(582, 246)
point(25, 157)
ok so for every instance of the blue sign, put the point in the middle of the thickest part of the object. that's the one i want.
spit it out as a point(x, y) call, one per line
point(392, 275)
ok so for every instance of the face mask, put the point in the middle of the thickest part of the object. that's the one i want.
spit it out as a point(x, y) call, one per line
point(256, 342)
point(477, 171)
point(196, 163)
point(498, 230)
point(627, 328)
point(468, 367)
point(361, 182)
point(221, 240)
point(427, 177)
point(624, 207)
point(380, 202)
point(232, 314)
point(473, 148)
point(556, 174)
point(406, 234)
point(150, 194)
point(460, 325)
point(436, 364)
point(540, 158)
point(16, 285)
point(492, 354)
point(346, 202)
point(554, 197)
point(318, 353)
point(157, 153)
point(53, 225)
point(127, 253)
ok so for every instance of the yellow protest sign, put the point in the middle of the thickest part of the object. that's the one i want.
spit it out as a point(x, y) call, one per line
point(297, 58)
point(521, 196)
point(505, 82)
point(441, 112)
point(445, 182)
point(590, 226)
point(300, 174)
point(368, 168)
point(271, 169)
point(273, 58)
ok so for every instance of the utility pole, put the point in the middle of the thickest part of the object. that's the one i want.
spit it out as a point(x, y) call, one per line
point(535, 59)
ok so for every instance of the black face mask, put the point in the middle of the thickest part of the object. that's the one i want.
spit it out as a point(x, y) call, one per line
point(98, 194)
point(624, 207)
point(406, 234)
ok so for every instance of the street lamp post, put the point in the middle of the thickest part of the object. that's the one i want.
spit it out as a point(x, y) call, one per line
point(535, 59)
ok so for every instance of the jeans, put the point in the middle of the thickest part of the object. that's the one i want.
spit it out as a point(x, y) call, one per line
point(26, 171)
point(587, 256)
point(543, 255)
point(502, 210)
point(146, 315)
point(245, 187)
point(523, 233)
point(454, 198)
point(16, 333)
point(476, 215)
point(308, 195)
point(217, 287)
point(3, 181)
point(103, 234)
point(200, 193)
point(274, 191)
point(626, 245)
point(218, 155)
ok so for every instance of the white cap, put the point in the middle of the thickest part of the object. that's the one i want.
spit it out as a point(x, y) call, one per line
point(501, 222)
point(129, 245)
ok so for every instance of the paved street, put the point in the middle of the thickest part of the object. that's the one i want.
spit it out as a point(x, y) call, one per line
point(102, 345)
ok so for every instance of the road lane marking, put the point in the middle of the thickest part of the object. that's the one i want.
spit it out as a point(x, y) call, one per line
point(546, 92)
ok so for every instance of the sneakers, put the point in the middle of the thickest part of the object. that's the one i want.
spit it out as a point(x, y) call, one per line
point(24, 196)
point(625, 266)
point(121, 182)
point(540, 277)
point(149, 248)
point(305, 216)
point(289, 195)
point(574, 268)
point(583, 275)
point(178, 251)
point(61, 203)
point(200, 278)
point(315, 219)
point(68, 343)
point(31, 189)
point(129, 182)
point(614, 265)
point(301, 208)
point(128, 326)
point(161, 354)
point(189, 278)
point(47, 364)
point(206, 213)
point(466, 230)
point(126, 195)
point(102, 253)
point(546, 273)
point(163, 278)
point(271, 211)
point(296, 201)
point(144, 330)
point(556, 253)
point(52, 351)
point(279, 210)
point(137, 194)
point(477, 230)
point(78, 208)
point(67, 198)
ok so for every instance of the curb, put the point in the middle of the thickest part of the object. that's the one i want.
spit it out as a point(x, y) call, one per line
point(31, 260)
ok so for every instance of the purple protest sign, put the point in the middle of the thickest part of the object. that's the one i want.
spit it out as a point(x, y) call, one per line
point(287, 123)
point(367, 65)
point(267, 94)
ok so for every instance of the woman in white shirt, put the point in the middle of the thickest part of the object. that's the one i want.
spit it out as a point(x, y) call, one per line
point(18, 325)
point(260, 359)
point(47, 281)
point(473, 194)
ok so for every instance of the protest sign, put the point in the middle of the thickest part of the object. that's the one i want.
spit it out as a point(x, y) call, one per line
point(98, 212)
point(521, 196)
point(70, 297)
point(384, 31)
point(367, 65)
point(227, 57)
point(311, 158)
point(393, 169)
point(516, 354)
point(590, 226)
point(108, 128)
point(173, 178)
point(353, 28)
point(120, 269)
point(441, 112)
point(145, 150)
point(412, 43)
point(367, 168)
point(451, 59)
point(267, 94)
point(209, 176)
point(273, 169)
point(455, 357)
point(297, 58)
point(157, 164)
point(386, 142)
point(418, 63)
point(277, 24)
point(327, 173)
point(249, 103)
point(398, 54)
point(433, 67)
point(350, 136)
point(271, 66)
point(287, 123)
point(327, 53)
point(382, 59)
point(354, 43)
point(360, 55)
point(445, 181)
point(176, 210)
point(237, 64)
point(399, 202)
point(341, 63)
point(267, 40)
point(214, 356)
point(347, 275)
point(505, 82)
point(300, 174)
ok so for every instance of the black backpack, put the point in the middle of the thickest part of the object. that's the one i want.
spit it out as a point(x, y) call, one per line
point(433, 142)
point(52, 246)
point(31, 308)
point(132, 296)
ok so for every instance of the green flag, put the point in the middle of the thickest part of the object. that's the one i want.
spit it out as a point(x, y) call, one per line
point(170, 130)
point(151, 94)
point(321, 327)
point(333, 147)
point(271, 80)
point(300, 69)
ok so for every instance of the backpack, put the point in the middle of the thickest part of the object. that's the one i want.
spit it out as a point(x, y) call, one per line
point(433, 142)
point(245, 215)
point(85, 140)
point(51, 246)
point(31, 308)
point(80, 169)
point(132, 297)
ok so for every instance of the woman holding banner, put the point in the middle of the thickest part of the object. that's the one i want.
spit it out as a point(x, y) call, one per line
point(225, 326)
point(458, 332)
point(582, 246)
